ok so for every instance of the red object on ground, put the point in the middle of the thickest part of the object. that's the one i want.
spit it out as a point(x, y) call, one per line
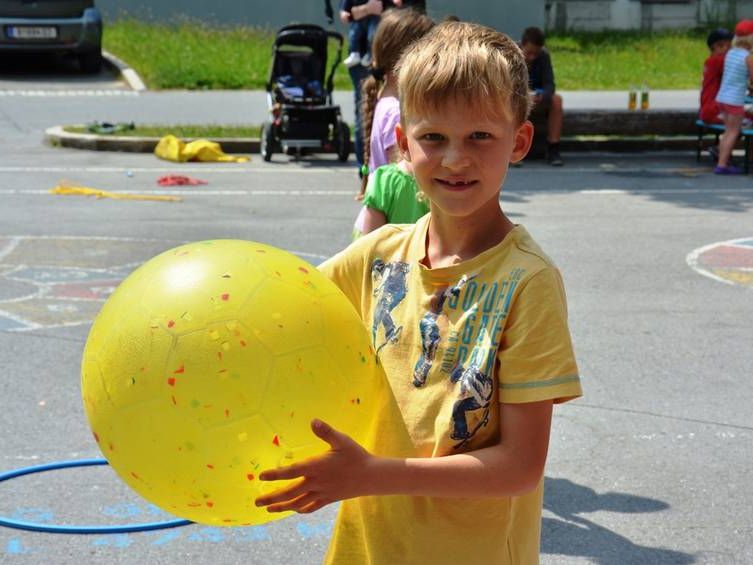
point(179, 180)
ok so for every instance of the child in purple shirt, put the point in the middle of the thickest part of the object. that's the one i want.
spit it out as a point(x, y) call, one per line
point(398, 29)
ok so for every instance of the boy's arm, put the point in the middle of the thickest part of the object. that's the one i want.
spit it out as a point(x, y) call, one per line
point(547, 76)
point(370, 8)
point(369, 219)
point(511, 468)
point(749, 63)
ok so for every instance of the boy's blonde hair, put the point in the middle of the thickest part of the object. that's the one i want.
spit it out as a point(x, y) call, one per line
point(473, 63)
point(744, 41)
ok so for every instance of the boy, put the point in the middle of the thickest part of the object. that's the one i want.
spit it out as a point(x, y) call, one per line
point(719, 42)
point(541, 82)
point(469, 318)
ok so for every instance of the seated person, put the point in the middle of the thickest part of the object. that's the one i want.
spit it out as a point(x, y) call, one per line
point(541, 83)
point(719, 42)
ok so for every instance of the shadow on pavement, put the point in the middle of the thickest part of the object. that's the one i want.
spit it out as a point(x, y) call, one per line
point(572, 534)
point(724, 201)
point(32, 68)
point(734, 193)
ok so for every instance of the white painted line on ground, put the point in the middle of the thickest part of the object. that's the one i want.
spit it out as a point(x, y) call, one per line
point(183, 169)
point(242, 192)
point(692, 258)
point(715, 190)
point(63, 93)
point(9, 247)
point(603, 191)
point(15, 192)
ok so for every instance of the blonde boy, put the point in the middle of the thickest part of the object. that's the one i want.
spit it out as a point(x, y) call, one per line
point(469, 318)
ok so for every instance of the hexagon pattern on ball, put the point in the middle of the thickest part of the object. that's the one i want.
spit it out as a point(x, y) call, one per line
point(206, 366)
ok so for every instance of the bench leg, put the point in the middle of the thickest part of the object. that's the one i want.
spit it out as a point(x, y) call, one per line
point(699, 146)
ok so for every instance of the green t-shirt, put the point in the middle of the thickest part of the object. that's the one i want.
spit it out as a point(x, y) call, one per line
point(393, 192)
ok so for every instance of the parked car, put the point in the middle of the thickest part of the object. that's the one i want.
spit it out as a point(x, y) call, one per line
point(53, 26)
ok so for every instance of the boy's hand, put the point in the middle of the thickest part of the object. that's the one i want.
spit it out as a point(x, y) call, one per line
point(338, 474)
point(344, 17)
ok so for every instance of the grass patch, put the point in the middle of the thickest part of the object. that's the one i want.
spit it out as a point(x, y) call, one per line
point(181, 131)
point(615, 60)
point(193, 55)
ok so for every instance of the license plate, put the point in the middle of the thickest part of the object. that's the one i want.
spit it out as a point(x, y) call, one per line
point(32, 32)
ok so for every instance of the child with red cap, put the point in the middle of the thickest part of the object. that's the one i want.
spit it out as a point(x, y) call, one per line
point(738, 68)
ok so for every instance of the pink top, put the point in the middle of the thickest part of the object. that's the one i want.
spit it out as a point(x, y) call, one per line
point(386, 117)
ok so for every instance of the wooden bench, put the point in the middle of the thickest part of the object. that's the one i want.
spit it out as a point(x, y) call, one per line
point(705, 128)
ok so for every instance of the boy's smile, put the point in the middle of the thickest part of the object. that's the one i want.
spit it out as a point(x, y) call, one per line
point(460, 155)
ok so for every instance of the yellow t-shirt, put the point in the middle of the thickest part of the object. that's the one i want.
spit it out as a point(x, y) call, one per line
point(455, 343)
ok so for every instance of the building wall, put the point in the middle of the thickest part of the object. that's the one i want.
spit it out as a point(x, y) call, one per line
point(510, 16)
point(649, 15)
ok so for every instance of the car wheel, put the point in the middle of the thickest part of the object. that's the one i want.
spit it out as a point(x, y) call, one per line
point(91, 62)
point(267, 141)
point(343, 142)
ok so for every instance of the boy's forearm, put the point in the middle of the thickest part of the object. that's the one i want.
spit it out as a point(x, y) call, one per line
point(510, 468)
point(488, 472)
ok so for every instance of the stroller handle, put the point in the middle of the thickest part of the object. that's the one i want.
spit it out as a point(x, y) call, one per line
point(335, 35)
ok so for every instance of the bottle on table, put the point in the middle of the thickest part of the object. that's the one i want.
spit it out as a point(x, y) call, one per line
point(644, 97)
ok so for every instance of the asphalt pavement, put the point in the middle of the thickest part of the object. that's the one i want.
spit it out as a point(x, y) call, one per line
point(650, 466)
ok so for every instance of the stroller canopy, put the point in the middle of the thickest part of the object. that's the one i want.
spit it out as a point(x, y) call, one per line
point(300, 55)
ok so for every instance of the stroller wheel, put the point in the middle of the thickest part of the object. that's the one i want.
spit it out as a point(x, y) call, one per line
point(267, 142)
point(343, 142)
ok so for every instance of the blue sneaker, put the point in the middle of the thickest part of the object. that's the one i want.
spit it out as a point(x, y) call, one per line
point(728, 170)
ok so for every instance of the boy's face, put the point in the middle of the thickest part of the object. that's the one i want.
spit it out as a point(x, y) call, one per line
point(721, 47)
point(530, 51)
point(460, 156)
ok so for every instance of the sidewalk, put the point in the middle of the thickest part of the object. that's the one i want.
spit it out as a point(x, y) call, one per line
point(250, 107)
point(586, 112)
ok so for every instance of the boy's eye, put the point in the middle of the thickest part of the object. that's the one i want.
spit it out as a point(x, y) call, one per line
point(432, 137)
point(481, 135)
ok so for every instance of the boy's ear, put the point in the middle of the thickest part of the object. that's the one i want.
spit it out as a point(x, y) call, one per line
point(402, 142)
point(522, 143)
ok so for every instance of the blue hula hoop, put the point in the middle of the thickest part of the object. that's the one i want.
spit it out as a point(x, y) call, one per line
point(55, 529)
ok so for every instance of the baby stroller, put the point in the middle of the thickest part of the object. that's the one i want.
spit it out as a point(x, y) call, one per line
point(303, 117)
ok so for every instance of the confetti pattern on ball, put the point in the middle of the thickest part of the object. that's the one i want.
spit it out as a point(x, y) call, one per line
point(207, 365)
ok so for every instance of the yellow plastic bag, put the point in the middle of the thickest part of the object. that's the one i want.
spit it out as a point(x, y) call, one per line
point(68, 189)
point(171, 148)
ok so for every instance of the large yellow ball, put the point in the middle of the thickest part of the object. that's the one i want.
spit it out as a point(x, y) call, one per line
point(207, 365)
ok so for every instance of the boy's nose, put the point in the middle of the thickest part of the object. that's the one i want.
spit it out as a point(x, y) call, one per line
point(455, 158)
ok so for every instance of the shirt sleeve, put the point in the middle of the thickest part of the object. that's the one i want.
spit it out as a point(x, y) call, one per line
point(389, 137)
point(536, 359)
point(346, 269)
point(376, 195)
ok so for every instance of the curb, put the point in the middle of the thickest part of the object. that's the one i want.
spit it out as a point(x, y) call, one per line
point(129, 75)
point(58, 137)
